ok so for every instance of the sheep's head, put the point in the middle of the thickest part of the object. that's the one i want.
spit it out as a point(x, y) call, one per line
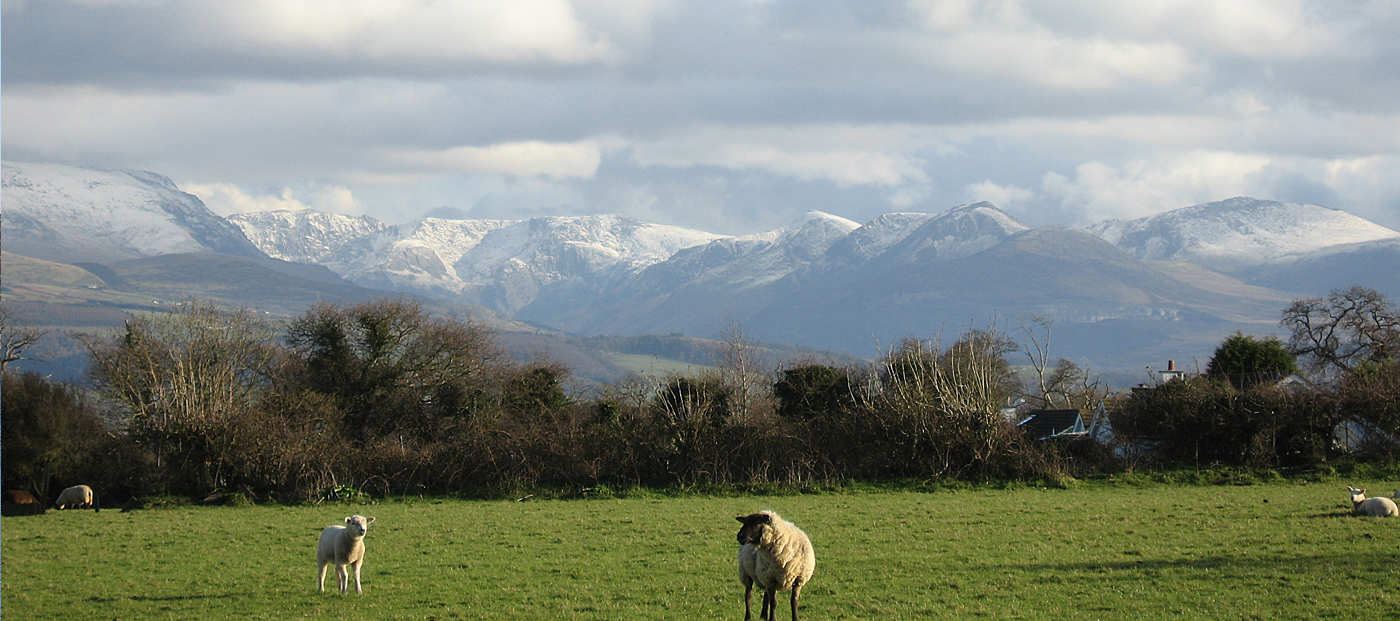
point(753, 525)
point(358, 525)
point(1357, 494)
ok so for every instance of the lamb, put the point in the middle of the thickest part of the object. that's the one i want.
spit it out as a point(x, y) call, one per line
point(1374, 507)
point(343, 545)
point(776, 555)
point(77, 497)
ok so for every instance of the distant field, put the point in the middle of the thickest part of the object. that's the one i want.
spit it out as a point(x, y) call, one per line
point(654, 365)
point(1278, 551)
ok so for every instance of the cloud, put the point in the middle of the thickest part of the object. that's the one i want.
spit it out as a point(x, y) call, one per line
point(1002, 39)
point(1259, 29)
point(521, 159)
point(1141, 187)
point(227, 199)
point(406, 32)
point(727, 115)
point(840, 154)
point(1001, 196)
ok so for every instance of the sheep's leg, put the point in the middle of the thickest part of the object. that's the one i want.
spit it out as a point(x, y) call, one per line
point(357, 578)
point(748, 599)
point(770, 599)
point(321, 582)
point(342, 577)
point(796, 589)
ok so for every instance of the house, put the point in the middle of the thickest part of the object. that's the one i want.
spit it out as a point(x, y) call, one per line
point(1043, 424)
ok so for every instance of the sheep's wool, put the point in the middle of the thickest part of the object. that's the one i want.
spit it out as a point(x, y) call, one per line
point(784, 555)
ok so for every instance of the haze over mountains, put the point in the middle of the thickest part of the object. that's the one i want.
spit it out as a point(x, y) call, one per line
point(1123, 294)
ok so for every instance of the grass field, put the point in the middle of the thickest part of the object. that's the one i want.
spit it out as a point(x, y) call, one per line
point(1275, 551)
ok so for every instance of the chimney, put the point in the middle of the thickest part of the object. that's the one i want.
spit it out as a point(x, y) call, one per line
point(1171, 365)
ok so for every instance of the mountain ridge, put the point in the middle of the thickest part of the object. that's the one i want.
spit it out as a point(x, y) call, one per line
point(1180, 281)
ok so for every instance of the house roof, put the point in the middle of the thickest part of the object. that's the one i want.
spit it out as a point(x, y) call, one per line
point(1045, 423)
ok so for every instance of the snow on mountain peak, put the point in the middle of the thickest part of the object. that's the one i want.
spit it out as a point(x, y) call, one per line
point(500, 263)
point(70, 213)
point(304, 236)
point(1238, 232)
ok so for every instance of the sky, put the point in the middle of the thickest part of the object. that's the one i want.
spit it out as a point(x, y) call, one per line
point(730, 116)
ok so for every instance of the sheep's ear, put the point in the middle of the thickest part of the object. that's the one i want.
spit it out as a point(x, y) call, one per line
point(741, 520)
point(347, 520)
point(369, 520)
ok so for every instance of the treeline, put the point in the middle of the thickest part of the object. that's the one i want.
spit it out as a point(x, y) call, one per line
point(385, 399)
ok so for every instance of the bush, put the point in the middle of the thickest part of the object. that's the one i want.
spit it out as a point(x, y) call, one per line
point(46, 424)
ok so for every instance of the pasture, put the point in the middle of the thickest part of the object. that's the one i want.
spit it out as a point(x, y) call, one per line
point(1275, 551)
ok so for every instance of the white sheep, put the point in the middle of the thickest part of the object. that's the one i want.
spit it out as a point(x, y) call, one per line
point(343, 545)
point(1374, 507)
point(776, 555)
point(78, 497)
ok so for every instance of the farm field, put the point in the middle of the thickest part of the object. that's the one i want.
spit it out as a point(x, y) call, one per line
point(1275, 551)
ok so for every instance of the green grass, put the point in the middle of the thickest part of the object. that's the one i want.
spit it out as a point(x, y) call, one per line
point(1275, 551)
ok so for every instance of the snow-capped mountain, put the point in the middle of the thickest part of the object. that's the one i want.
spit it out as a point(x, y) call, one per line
point(747, 260)
point(700, 287)
point(305, 236)
point(1238, 233)
point(1122, 293)
point(75, 214)
point(501, 264)
point(959, 232)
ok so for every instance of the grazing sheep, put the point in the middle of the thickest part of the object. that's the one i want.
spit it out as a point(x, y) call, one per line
point(1374, 507)
point(776, 555)
point(343, 545)
point(76, 497)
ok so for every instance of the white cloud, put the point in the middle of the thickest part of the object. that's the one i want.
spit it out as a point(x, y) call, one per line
point(521, 159)
point(881, 155)
point(999, 38)
point(1370, 184)
point(1260, 29)
point(999, 195)
point(1143, 187)
point(443, 31)
point(227, 199)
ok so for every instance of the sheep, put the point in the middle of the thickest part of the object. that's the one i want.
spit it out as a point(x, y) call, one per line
point(748, 574)
point(78, 497)
point(776, 555)
point(20, 497)
point(1374, 507)
point(343, 545)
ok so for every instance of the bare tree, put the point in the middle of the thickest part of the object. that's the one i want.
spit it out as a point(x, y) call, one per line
point(14, 339)
point(739, 362)
point(1349, 327)
point(183, 378)
point(1063, 385)
point(943, 406)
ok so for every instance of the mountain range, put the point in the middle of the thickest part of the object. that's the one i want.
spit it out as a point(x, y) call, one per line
point(1122, 293)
